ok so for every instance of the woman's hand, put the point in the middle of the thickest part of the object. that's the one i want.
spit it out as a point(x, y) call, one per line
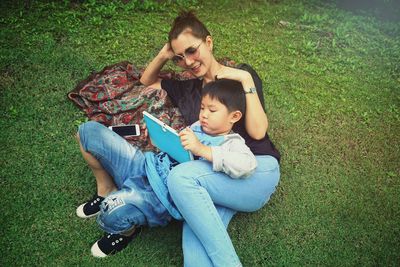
point(256, 121)
point(235, 74)
point(190, 142)
point(166, 52)
point(150, 75)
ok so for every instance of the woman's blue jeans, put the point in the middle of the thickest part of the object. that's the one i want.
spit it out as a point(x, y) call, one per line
point(208, 200)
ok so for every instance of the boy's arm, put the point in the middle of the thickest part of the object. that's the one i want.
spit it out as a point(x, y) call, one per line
point(233, 157)
point(192, 143)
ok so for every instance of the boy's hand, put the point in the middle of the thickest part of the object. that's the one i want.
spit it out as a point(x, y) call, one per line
point(190, 142)
point(144, 131)
point(145, 134)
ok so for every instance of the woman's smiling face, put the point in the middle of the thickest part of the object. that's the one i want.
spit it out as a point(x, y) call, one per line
point(193, 53)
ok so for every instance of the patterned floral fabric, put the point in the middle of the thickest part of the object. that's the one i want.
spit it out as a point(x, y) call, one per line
point(115, 96)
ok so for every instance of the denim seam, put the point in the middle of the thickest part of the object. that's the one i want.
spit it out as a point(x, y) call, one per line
point(213, 173)
point(203, 193)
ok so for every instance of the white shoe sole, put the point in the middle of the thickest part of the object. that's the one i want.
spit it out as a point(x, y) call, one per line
point(96, 252)
point(81, 214)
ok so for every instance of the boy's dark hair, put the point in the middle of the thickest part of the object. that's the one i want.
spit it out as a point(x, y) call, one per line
point(229, 92)
point(185, 20)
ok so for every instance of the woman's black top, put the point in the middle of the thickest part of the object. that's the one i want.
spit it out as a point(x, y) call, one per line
point(186, 95)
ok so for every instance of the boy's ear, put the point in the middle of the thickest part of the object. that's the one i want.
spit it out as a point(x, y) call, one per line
point(235, 116)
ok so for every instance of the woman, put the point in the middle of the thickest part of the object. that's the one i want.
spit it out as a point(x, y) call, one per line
point(206, 199)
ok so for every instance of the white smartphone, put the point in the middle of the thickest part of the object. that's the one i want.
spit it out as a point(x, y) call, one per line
point(126, 130)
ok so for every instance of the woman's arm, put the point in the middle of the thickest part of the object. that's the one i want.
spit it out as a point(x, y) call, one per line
point(256, 120)
point(150, 75)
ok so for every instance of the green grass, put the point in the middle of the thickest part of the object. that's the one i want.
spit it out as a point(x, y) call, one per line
point(332, 90)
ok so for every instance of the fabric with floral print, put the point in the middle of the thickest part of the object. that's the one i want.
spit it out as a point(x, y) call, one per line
point(115, 96)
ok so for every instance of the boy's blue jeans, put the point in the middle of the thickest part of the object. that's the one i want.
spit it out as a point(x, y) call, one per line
point(135, 202)
point(206, 199)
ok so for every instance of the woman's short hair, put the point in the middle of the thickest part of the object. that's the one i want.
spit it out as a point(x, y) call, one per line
point(229, 92)
point(188, 20)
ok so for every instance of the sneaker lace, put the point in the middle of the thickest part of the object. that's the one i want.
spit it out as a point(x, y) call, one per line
point(94, 201)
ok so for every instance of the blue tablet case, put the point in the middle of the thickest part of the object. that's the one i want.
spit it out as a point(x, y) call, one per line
point(166, 138)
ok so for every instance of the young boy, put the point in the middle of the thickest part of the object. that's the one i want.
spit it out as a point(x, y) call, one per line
point(143, 198)
point(211, 138)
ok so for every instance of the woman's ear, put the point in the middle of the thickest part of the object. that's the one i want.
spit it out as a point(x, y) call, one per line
point(235, 116)
point(209, 42)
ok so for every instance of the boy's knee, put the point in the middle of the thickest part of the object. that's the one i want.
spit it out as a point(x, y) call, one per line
point(88, 128)
point(117, 215)
point(113, 217)
point(87, 131)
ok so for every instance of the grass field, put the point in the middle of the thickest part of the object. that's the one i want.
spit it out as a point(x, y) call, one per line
point(332, 90)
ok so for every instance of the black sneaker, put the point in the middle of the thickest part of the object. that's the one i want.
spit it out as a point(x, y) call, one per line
point(90, 208)
point(112, 243)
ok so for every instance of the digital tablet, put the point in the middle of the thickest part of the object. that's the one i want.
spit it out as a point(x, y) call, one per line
point(166, 138)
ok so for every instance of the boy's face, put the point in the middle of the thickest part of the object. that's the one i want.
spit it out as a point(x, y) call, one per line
point(215, 119)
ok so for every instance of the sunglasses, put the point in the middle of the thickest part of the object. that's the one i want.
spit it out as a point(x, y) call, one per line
point(190, 53)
